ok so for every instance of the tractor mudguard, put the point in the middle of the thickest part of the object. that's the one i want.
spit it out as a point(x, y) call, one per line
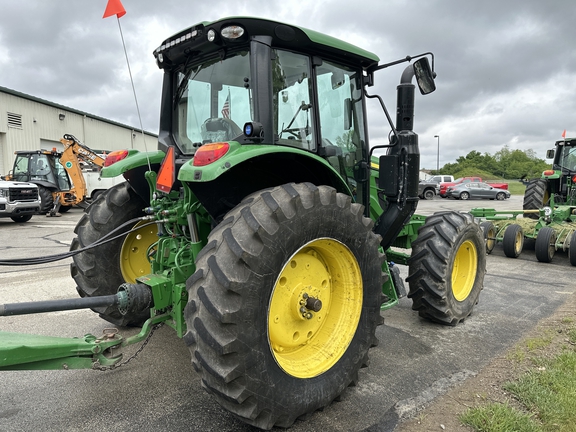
point(134, 159)
point(239, 153)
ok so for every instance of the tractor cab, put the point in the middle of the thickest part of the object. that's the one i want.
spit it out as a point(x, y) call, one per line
point(560, 181)
point(274, 89)
point(41, 167)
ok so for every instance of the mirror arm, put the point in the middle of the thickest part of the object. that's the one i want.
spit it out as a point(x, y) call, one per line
point(406, 59)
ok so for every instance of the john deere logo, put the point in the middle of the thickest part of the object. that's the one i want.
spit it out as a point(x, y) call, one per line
point(68, 164)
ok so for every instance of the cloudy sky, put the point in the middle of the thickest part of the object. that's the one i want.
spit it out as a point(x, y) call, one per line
point(506, 68)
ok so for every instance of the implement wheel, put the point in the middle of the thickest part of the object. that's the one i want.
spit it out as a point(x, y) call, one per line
point(536, 196)
point(447, 267)
point(572, 249)
point(545, 245)
point(513, 241)
point(284, 303)
point(101, 270)
point(489, 231)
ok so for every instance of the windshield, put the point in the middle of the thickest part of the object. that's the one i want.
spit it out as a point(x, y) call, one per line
point(568, 158)
point(213, 101)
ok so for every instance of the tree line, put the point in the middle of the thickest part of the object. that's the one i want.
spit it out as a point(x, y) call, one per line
point(506, 163)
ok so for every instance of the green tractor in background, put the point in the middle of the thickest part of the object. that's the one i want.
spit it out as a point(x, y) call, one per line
point(262, 230)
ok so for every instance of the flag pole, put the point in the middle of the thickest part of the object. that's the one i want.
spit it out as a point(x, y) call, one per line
point(133, 91)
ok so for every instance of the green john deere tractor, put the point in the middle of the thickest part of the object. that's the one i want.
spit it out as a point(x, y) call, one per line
point(262, 230)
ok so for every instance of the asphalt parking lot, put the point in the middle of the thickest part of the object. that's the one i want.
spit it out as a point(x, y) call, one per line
point(159, 391)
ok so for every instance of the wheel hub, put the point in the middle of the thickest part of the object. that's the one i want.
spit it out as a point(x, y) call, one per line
point(134, 253)
point(464, 270)
point(315, 308)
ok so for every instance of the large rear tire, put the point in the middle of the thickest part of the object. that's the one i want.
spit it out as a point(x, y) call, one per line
point(284, 303)
point(99, 271)
point(447, 267)
point(536, 196)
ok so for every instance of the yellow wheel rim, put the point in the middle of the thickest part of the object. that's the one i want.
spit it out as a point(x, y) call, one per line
point(519, 242)
point(322, 275)
point(464, 270)
point(491, 238)
point(134, 253)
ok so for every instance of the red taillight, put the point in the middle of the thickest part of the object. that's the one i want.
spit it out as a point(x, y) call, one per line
point(209, 153)
point(574, 179)
point(115, 156)
point(548, 172)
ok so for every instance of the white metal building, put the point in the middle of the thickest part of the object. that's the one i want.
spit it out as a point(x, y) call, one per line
point(30, 123)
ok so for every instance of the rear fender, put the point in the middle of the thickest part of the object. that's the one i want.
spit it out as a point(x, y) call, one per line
point(244, 169)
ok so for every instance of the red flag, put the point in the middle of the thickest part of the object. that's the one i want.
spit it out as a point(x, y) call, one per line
point(564, 134)
point(114, 7)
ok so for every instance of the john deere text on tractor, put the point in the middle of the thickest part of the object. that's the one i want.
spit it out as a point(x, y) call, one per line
point(260, 224)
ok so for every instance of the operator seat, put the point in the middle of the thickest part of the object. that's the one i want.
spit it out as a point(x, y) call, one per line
point(219, 129)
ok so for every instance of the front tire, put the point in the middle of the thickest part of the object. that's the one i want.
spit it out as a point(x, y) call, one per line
point(99, 271)
point(429, 194)
point(46, 199)
point(447, 267)
point(464, 196)
point(21, 218)
point(261, 347)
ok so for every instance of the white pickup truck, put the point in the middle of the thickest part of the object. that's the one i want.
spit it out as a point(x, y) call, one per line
point(19, 200)
point(96, 185)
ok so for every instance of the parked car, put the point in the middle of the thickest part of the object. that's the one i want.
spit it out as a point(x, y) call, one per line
point(444, 186)
point(477, 190)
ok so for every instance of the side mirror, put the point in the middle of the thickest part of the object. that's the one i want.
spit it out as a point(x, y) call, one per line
point(424, 75)
point(550, 154)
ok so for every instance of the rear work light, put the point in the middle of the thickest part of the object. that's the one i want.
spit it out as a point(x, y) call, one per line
point(115, 156)
point(210, 153)
point(232, 32)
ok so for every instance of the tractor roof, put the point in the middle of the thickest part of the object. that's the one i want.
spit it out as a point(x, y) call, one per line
point(193, 41)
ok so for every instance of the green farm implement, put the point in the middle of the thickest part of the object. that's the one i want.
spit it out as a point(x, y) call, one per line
point(548, 217)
